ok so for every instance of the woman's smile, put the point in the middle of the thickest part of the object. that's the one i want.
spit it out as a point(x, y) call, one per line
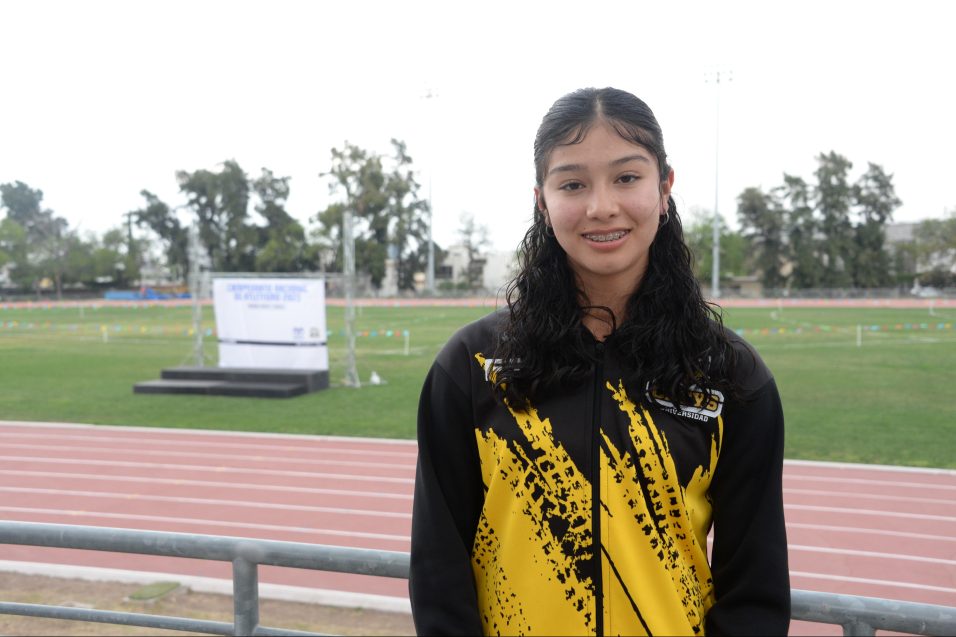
point(606, 237)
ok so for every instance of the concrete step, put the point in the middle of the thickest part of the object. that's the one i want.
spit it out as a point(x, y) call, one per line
point(221, 388)
point(313, 380)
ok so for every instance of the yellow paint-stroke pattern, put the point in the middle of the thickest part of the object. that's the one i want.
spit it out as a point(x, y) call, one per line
point(656, 577)
point(533, 542)
point(534, 537)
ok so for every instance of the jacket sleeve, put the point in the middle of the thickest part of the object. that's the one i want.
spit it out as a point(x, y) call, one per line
point(447, 505)
point(749, 559)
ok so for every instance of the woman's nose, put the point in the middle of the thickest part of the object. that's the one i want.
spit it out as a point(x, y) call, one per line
point(602, 204)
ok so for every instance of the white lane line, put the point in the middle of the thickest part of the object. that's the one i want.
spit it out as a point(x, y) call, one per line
point(874, 582)
point(887, 514)
point(874, 554)
point(222, 457)
point(206, 469)
point(185, 432)
point(245, 486)
point(217, 444)
point(111, 495)
point(248, 486)
point(912, 340)
point(870, 496)
point(62, 513)
point(855, 530)
point(850, 466)
point(28, 424)
point(787, 477)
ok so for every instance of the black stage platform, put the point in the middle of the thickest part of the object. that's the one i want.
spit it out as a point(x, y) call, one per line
point(236, 381)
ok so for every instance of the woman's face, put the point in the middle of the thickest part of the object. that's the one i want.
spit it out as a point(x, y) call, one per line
point(604, 197)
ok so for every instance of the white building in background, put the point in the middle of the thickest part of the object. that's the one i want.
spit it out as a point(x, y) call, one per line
point(497, 268)
point(902, 233)
point(899, 232)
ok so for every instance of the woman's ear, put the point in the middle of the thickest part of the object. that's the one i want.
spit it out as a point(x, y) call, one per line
point(667, 185)
point(540, 206)
point(539, 203)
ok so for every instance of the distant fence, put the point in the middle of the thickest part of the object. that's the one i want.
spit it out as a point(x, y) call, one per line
point(857, 615)
point(902, 292)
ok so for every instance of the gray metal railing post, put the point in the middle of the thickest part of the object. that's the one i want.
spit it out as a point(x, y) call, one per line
point(858, 629)
point(245, 594)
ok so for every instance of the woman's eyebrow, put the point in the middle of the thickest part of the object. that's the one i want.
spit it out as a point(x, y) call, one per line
point(617, 162)
point(565, 168)
point(630, 158)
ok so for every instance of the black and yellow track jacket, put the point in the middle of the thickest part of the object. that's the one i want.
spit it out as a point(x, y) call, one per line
point(588, 514)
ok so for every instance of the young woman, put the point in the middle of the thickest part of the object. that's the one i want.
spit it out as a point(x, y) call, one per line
point(576, 448)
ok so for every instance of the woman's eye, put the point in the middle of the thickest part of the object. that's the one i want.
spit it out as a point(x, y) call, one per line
point(571, 186)
point(628, 179)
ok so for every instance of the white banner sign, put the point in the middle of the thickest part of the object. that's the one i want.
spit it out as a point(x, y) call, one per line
point(271, 323)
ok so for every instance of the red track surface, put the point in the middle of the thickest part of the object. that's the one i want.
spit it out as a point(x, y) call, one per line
point(856, 529)
point(491, 302)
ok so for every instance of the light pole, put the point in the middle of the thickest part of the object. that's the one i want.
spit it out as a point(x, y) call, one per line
point(715, 273)
point(430, 270)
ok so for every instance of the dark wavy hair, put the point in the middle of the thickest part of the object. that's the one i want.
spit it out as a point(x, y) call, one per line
point(669, 336)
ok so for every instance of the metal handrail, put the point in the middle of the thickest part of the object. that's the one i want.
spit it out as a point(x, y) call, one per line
point(857, 615)
point(860, 615)
point(245, 555)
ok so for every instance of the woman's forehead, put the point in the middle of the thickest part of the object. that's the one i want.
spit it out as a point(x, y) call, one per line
point(600, 141)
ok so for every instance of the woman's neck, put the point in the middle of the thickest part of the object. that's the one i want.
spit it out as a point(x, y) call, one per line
point(604, 292)
point(596, 317)
point(598, 323)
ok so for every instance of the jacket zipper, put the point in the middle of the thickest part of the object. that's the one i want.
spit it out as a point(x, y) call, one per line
point(596, 493)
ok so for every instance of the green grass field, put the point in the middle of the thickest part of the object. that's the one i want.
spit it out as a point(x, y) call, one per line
point(888, 400)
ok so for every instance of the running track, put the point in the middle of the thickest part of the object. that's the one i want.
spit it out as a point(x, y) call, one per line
point(864, 530)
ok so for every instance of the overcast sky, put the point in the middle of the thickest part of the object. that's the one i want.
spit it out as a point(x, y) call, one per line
point(101, 99)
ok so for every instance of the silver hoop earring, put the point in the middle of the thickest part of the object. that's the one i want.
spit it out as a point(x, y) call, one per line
point(664, 218)
point(548, 231)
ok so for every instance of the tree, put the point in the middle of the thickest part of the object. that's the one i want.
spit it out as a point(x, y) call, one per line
point(699, 235)
point(385, 207)
point(282, 244)
point(162, 220)
point(762, 224)
point(79, 263)
point(833, 197)
point(358, 175)
point(220, 201)
point(114, 259)
point(934, 246)
point(408, 227)
point(50, 246)
point(800, 229)
point(45, 233)
point(13, 245)
point(876, 200)
point(23, 204)
point(474, 239)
